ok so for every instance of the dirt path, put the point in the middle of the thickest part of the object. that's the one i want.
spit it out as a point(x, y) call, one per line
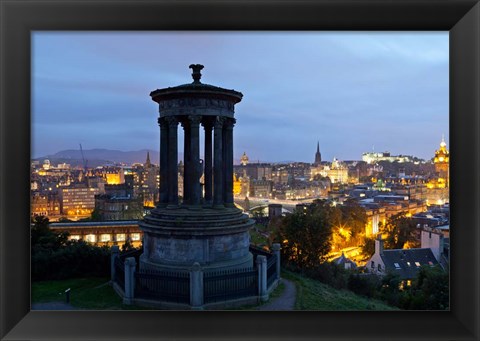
point(286, 301)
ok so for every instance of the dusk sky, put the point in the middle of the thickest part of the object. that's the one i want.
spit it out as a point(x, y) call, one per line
point(352, 92)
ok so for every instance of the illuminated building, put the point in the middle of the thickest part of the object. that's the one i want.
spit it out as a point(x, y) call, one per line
point(111, 207)
point(280, 176)
point(44, 205)
point(237, 185)
point(438, 186)
point(336, 172)
point(375, 216)
point(104, 233)
point(261, 188)
point(114, 176)
point(46, 164)
point(256, 171)
point(78, 201)
point(442, 163)
point(385, 156)
point(244, 159)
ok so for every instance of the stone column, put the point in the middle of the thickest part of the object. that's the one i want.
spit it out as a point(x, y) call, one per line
point(113, 255)
point(262, 277)
point(187, 165)
point(172, 162)
point(207, 125)
point(218, 163)
point(196, 166)
point(276, 253)
point(129, 280)
point(163, 162)
point(228, 162)
point(196, 287)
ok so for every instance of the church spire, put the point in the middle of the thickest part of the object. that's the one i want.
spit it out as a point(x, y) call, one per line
point(318, 156)
point(148, 163)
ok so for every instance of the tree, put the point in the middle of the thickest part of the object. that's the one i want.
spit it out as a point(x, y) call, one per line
point(348, 224)
point(42, 237)
point(430, 290)
point(56, 257)
point(398, 230)
point(368, 247)
point(40, 229)
point(127, 246)
point(390, 289)
point(306, 235)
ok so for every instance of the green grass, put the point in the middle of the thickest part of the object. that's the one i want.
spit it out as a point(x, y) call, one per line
point(97, 294)
point(314, 295)
point(257, 238)
point(85, 293)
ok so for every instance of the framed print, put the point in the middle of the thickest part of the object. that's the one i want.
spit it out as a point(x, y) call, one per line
point(22, 20)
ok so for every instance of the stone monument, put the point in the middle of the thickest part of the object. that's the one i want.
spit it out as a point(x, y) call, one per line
point(204, 227)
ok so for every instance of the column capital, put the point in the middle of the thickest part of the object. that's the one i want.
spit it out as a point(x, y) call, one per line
point(219, 120)
point(194, 119)
point(172, 121)
point(229, 123)
point(162, 122)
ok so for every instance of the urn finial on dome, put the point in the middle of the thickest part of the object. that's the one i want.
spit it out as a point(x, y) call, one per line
point(196, 72)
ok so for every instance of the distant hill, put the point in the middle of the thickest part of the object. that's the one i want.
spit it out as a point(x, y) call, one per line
point(97, 157)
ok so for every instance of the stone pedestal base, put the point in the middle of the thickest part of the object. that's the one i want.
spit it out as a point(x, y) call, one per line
point(175, 239)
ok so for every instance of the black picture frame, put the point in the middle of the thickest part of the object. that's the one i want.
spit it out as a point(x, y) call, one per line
point(18, 18)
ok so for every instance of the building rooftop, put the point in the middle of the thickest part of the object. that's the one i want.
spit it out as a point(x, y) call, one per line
point(407, 262)
point(79, 224)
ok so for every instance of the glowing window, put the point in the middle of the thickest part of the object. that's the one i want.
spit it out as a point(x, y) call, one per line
point(74, 237)
point(91, 238)
point(121, 237)
point(105, 238)
point(135, 236)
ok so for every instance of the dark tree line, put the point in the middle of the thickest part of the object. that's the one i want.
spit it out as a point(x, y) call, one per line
point(56, 257)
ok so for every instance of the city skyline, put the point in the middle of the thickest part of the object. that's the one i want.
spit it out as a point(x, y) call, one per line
point(352, 92)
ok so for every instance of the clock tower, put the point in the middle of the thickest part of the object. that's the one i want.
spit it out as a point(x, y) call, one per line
point(441, 162)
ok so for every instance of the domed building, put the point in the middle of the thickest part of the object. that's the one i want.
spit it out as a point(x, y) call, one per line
point(244, 159)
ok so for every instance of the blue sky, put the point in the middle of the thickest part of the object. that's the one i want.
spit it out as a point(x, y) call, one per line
point(351, 91)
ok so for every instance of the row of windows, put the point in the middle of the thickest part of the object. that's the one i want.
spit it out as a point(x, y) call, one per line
point(73, 190)
point(104, 238)
point(397, 266)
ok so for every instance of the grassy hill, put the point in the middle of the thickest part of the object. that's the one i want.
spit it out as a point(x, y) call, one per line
point(314, 295)
point(95, 293)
